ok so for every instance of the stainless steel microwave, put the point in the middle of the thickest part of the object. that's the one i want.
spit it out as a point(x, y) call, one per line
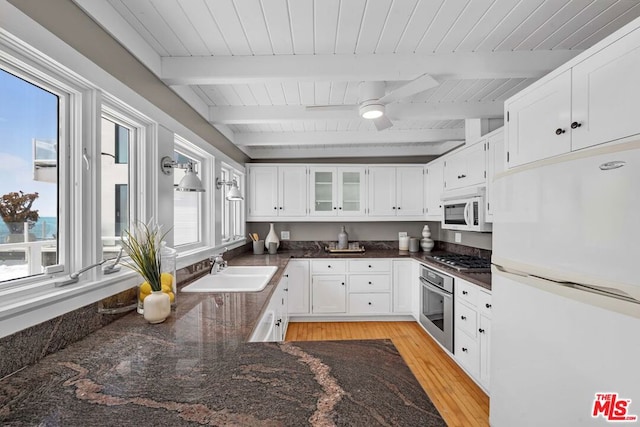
point(467, 213)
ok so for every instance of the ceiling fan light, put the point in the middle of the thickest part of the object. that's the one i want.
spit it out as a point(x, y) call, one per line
point(371, 111)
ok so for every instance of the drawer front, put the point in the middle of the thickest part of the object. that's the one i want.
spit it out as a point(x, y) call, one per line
point(369, 303)
point(369, 283)
point(484, 303)
point(328, 266)
point(466, 320)
point(466, 292)
point(467, 352)
point(370, 266)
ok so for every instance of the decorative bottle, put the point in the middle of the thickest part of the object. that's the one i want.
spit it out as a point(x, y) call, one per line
point(343, 239)
point(426, 243)
point(271, 237)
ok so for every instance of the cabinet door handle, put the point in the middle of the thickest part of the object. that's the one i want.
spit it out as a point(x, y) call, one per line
point(463, 317)
point(398, 207)
point(285, 275)
point(369, 303)
point(481, 330)
point(393, 207)
point(281, 207)
point(464, 292)
point(370, 283)
point(488, 305)
point(369, 266)
point(575, 125)
point(329, 266)
point(334, 208)
point(342, 283)
point(560, 131)
point(340, 208)
point(464, 349)
point(275, 207)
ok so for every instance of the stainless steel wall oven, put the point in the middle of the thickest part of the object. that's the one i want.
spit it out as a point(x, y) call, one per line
point(436, 305)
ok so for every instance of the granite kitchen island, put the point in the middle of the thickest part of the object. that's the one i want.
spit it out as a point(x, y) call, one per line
point(196, 368)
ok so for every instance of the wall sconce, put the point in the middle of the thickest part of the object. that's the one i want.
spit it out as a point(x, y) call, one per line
point(190, 181)
point(234, 192)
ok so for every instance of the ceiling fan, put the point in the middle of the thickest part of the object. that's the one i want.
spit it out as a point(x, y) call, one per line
point(372, 99)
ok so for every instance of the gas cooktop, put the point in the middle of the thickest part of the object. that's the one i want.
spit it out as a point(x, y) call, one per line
point(466, 263)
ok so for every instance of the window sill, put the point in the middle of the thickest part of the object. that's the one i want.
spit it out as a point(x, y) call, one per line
point(20, 310)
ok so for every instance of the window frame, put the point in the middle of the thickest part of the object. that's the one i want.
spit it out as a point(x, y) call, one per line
point(204, 171)
point(229, 208)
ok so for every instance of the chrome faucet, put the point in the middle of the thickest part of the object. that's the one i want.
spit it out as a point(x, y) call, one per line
point(217, 263)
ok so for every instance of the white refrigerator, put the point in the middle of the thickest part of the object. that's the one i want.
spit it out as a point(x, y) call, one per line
point(565, 337)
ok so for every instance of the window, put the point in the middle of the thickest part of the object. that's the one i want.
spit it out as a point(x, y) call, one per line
point(188, 207)
point(30, 119)
point(115, 178)
point(232, 211)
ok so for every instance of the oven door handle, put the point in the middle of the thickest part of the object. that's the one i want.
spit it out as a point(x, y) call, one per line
point(467, 213)
point(435, 289)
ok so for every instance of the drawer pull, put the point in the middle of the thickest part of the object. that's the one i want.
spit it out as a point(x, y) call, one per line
point(488, 305)
point(342, 283)
point(370, 283)
point(328, 266)
point(575, 125)
point(369, 266)
point(560, 131)
point(464, 292)
point(464, 349)
point(481, 330)
point(463, 317)
point(369, 303)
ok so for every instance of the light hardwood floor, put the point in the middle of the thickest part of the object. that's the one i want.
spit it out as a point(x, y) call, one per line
point(460, 401)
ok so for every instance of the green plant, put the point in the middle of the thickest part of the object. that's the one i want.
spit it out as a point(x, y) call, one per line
point(15, 210)
point(143, 245)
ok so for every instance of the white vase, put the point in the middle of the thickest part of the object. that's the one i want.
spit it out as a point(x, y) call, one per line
point(426, 243)
point(157, 307)
point(272, 237)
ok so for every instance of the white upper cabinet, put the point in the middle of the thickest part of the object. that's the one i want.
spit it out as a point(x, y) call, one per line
point(538, 122)
point(262, 191)
point(605, 94)
point(396, 191)
point(466, 167)
point(589, 101)
point(337, 191)
point(434, 186)
point(277, 191)
point(496, 163)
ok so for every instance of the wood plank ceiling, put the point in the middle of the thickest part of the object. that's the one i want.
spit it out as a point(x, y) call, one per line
point(252, 66)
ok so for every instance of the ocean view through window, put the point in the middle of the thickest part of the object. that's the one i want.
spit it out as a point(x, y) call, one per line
point(29, 126)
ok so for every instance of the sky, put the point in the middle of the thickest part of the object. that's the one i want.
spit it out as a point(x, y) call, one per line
point(26, 112)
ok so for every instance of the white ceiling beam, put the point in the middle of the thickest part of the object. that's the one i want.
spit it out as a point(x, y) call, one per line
point(216, 70)
point(359, 151)
point(108, 18)
point(340, 138)
point(292, 113)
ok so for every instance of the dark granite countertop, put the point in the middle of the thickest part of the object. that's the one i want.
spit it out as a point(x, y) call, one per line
point(196, 368)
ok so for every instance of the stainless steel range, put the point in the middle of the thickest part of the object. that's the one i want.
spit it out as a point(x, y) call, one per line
point(466, 263)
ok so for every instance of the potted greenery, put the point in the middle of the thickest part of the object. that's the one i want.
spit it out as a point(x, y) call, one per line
point(143, 244)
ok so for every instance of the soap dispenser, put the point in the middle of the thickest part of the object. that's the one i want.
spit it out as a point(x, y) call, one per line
point(343, 239)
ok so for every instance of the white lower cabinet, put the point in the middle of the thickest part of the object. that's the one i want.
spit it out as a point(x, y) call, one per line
point(299, 293)
point(472, 325)
point(273, 324)
point(404, 291)
point(329, 293)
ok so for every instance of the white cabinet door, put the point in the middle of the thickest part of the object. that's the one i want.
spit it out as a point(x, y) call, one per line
point(263, 191)
point(292, 186)
point(329, 294)
point(279, 300)
point(606, 93)
point(382, 191)
point(453, 171)
point(538, 122)
point(409, 191)
point(434, 187)
point(298, 274)
point(475, 165)
point(351, 191)
point(496, 163)
point(403, 286)
point(323, 191)
point(484, 332)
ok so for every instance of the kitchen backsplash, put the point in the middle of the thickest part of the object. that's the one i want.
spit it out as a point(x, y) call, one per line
point(369, 231)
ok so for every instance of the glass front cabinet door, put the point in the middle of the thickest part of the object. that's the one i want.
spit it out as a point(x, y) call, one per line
point(337, 191)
